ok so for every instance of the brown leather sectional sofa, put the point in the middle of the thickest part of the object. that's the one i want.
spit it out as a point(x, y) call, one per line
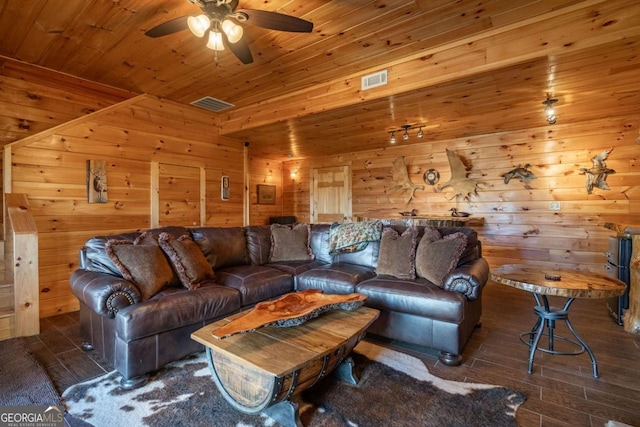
point(138, 337)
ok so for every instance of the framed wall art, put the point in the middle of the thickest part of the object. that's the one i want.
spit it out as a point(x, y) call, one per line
point(97, 181)
point(224, 188)
point(266, 194)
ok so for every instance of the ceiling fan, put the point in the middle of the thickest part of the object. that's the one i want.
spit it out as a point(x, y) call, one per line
point(218, 18)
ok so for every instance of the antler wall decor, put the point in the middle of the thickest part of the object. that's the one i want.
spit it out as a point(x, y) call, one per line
point(401, 177)
point(597, 175)
point(464, 186)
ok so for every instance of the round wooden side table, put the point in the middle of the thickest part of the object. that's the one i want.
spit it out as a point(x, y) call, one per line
point(570, 284)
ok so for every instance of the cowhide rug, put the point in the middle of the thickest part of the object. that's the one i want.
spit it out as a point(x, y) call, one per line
point(394, 389)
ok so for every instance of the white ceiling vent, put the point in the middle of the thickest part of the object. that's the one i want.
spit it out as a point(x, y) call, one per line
point(213, 104)
point(374, 80)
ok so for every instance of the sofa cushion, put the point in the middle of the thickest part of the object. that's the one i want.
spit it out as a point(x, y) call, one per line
point(144, 265)
point(472, 251)
point(255, 283)
point(295, 267)
point(334, 278)
point(174, 308)
point(290, 243)
point(397, 253)
point(258, 243)
point(187, 259)
point(418, 297)
point(319, 242)
point(436, 259)
point(222, 246)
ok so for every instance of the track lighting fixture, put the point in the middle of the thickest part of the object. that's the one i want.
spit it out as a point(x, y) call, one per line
point(549, 111)
point(405, 132)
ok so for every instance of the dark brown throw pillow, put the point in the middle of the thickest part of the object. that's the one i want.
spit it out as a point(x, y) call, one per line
point(397, 253)
point(187, 260)
point(146, 238)
point(144, 265)
point(290, 243)
point(436, 259)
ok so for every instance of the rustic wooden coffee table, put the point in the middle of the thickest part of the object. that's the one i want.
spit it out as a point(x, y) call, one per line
point(260, 371)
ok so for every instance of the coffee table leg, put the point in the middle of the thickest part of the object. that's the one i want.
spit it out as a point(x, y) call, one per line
point(285, 413)
point(344, 371)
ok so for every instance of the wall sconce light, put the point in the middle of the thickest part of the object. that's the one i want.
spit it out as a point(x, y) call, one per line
point(549, 111)
point(405, 132)
point(294, 173)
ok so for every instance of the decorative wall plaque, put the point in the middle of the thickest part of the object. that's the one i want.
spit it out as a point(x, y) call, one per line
point(431, 177)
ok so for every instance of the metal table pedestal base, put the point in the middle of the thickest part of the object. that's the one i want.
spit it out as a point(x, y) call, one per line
point(547, 317)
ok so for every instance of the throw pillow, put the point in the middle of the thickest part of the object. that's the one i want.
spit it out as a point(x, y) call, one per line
point(436, 259)
point(187, 260)
point(397, 253)
point(144, 265)
point(290, 243)
point(146, 238)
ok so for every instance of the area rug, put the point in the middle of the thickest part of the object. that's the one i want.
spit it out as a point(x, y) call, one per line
point(23, 381)
point(394, 389)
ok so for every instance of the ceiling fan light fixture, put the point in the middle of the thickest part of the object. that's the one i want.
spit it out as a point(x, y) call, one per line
point(392, 139)
point(199, 24)
point(233, 31)
point(215, 41)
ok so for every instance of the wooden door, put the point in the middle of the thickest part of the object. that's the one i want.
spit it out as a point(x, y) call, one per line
point(179, 195)
point(331, 194)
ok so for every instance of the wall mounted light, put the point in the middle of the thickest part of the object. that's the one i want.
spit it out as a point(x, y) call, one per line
point(405, 132)
point(549, 111)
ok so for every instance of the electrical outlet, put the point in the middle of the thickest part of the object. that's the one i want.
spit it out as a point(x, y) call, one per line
point(554, 206)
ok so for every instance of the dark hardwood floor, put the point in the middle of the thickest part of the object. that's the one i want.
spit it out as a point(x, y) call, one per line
point(561, 390)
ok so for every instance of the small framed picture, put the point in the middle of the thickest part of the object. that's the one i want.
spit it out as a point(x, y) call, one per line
point(224, 188)
point(266, 194)
point(97, 181)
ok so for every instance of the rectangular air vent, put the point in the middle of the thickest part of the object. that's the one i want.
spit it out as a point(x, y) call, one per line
point(213, 104)
point(374, 80)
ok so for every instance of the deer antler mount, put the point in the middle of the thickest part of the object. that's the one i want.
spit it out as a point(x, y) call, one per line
point(401, 177)
point(463, 186)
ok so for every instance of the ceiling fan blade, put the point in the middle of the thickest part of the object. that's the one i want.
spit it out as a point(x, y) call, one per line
point(276, 21)
point(172, 26)
point(240, 49)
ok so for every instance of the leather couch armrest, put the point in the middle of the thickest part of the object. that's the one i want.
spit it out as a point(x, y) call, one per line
point(469, 278)
point(103, 293)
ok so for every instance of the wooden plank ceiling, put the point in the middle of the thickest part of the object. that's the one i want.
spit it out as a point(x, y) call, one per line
point(460, 68)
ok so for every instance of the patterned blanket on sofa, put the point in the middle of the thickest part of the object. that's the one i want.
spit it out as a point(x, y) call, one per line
point(353, 236)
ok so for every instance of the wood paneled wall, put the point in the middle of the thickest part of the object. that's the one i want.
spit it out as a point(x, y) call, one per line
point(264, 172)
point(519, 225)
point(50, 168)
point(34, 99)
